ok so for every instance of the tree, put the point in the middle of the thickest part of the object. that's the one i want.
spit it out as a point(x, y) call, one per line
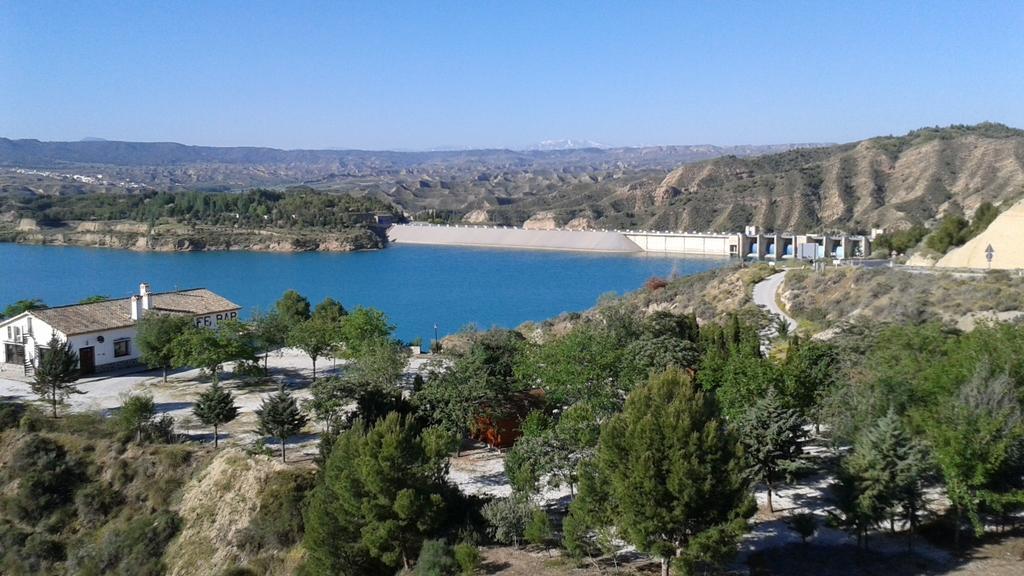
point(269, 332)
point(538, 529)
point(136, 413)
point(156, 337)
point(56, 372)
point(435, 559)
point(330, 310)
point(383, 493)
point(668, 473)
point(363, 327)
point(208, 348)
point(378, 364)
point(315, 337)
point(93, 299)
point(279, 417)
point(508, 517)
point(975, 439)
point(293, 308)
point(772, 437)
point(215, 406)
point(20, 306)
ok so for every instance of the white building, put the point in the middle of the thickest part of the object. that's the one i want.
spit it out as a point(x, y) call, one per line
point(103, 333)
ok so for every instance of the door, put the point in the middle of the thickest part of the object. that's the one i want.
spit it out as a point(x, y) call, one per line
point(87, 360)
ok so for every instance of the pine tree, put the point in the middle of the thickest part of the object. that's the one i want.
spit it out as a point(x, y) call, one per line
point(668, 472)
point(772, 436)
point(293, 308)
point(56, 372)
point(214, 407)
point(279, 417)
point(383, 492)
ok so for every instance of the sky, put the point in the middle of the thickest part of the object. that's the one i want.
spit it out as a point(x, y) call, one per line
point(425, 75)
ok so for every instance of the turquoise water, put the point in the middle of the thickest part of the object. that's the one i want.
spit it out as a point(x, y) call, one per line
point(417, 286)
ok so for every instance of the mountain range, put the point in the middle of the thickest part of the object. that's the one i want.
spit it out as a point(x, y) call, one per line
point(889, 181)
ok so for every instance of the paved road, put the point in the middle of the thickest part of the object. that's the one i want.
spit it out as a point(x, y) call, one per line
point(764, 296)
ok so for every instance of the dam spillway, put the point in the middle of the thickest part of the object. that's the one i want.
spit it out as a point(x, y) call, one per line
point(501, 237)
point(749, 245)
point(578, 240)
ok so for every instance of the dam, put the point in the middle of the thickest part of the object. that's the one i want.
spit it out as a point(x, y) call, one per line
point(749, 244)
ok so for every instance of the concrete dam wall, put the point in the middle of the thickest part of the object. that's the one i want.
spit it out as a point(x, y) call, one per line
point(497, 237)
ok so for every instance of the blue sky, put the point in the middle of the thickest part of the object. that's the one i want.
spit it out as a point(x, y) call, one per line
point(415, 75)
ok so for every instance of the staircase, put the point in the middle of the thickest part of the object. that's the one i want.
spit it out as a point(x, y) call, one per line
point(30, 368)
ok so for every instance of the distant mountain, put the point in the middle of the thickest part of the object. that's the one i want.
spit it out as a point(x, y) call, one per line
point(878, 182)
point(567, 144)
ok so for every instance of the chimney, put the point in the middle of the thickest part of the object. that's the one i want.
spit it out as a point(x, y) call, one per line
point(136, 304)
point(144, 294)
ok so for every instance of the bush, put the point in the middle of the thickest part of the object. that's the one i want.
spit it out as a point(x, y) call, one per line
point(41, 550)
point(96, 502)
point(46, 477)
point(435, 559)
point(803, 524)
point(468, 558)
point(538, 531)
point(133, 546)
point(278, 523)
point(11, 414)
point(507, 518)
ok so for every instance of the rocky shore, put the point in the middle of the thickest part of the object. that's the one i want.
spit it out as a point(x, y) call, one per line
point(184, 238)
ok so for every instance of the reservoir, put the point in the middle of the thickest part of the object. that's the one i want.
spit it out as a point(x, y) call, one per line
point(416, 286)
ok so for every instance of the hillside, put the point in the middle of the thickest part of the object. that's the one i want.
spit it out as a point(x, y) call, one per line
point(880, 182)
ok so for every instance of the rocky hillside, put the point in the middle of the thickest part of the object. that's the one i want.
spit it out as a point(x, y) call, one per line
point(880, 182)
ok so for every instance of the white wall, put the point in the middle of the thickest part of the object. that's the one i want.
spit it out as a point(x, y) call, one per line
point(104, 351)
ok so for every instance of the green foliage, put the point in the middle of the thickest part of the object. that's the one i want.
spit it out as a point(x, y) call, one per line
point(208, 348)
point(900, 241)
point(330, 310)
point(382, 494)
point(804, 524)
point(55, 373)
point(667, 470)
point(93, 299)
point(20, 306)
point(214, 407)
point(435, 559)
point(132, 546)
point(11, 414)
point(156, 338)
point(538, 529)
point(315, 337)
point(298, 208)
point(363, 327)
point(978, 438)
point(278, 523)
point(772, 437)
point(554, 447)
point(583, 364)
point(292, 308)
point(136, 414)
point(952, 231)
point(279, 417)
point(47, 477)
point(507, 518)
point(481, 381)
point(467, 556)
point(268, 332)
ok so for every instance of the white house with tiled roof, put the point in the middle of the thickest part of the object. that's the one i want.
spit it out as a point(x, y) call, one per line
point(103, 333)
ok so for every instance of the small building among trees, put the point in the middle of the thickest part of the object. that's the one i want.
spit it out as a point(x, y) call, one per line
point(103, 334)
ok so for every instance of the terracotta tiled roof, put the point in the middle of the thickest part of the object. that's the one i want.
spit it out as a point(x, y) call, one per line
point(111, 314)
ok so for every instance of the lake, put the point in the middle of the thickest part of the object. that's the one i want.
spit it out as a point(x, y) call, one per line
point(417, 286)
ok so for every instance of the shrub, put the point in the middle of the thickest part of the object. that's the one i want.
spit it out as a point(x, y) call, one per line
point(435, 559)
point(507, 518)
point(46, 475)
point(468, 558)
point(11, 414)
point(803, 524)
point(96, 502)
point(655, 283)
point(278, 522)
point(538, 530)
point(41, 550)
point(134, 546)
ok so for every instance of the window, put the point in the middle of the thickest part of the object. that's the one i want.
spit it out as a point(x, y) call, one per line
point(121, 347)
